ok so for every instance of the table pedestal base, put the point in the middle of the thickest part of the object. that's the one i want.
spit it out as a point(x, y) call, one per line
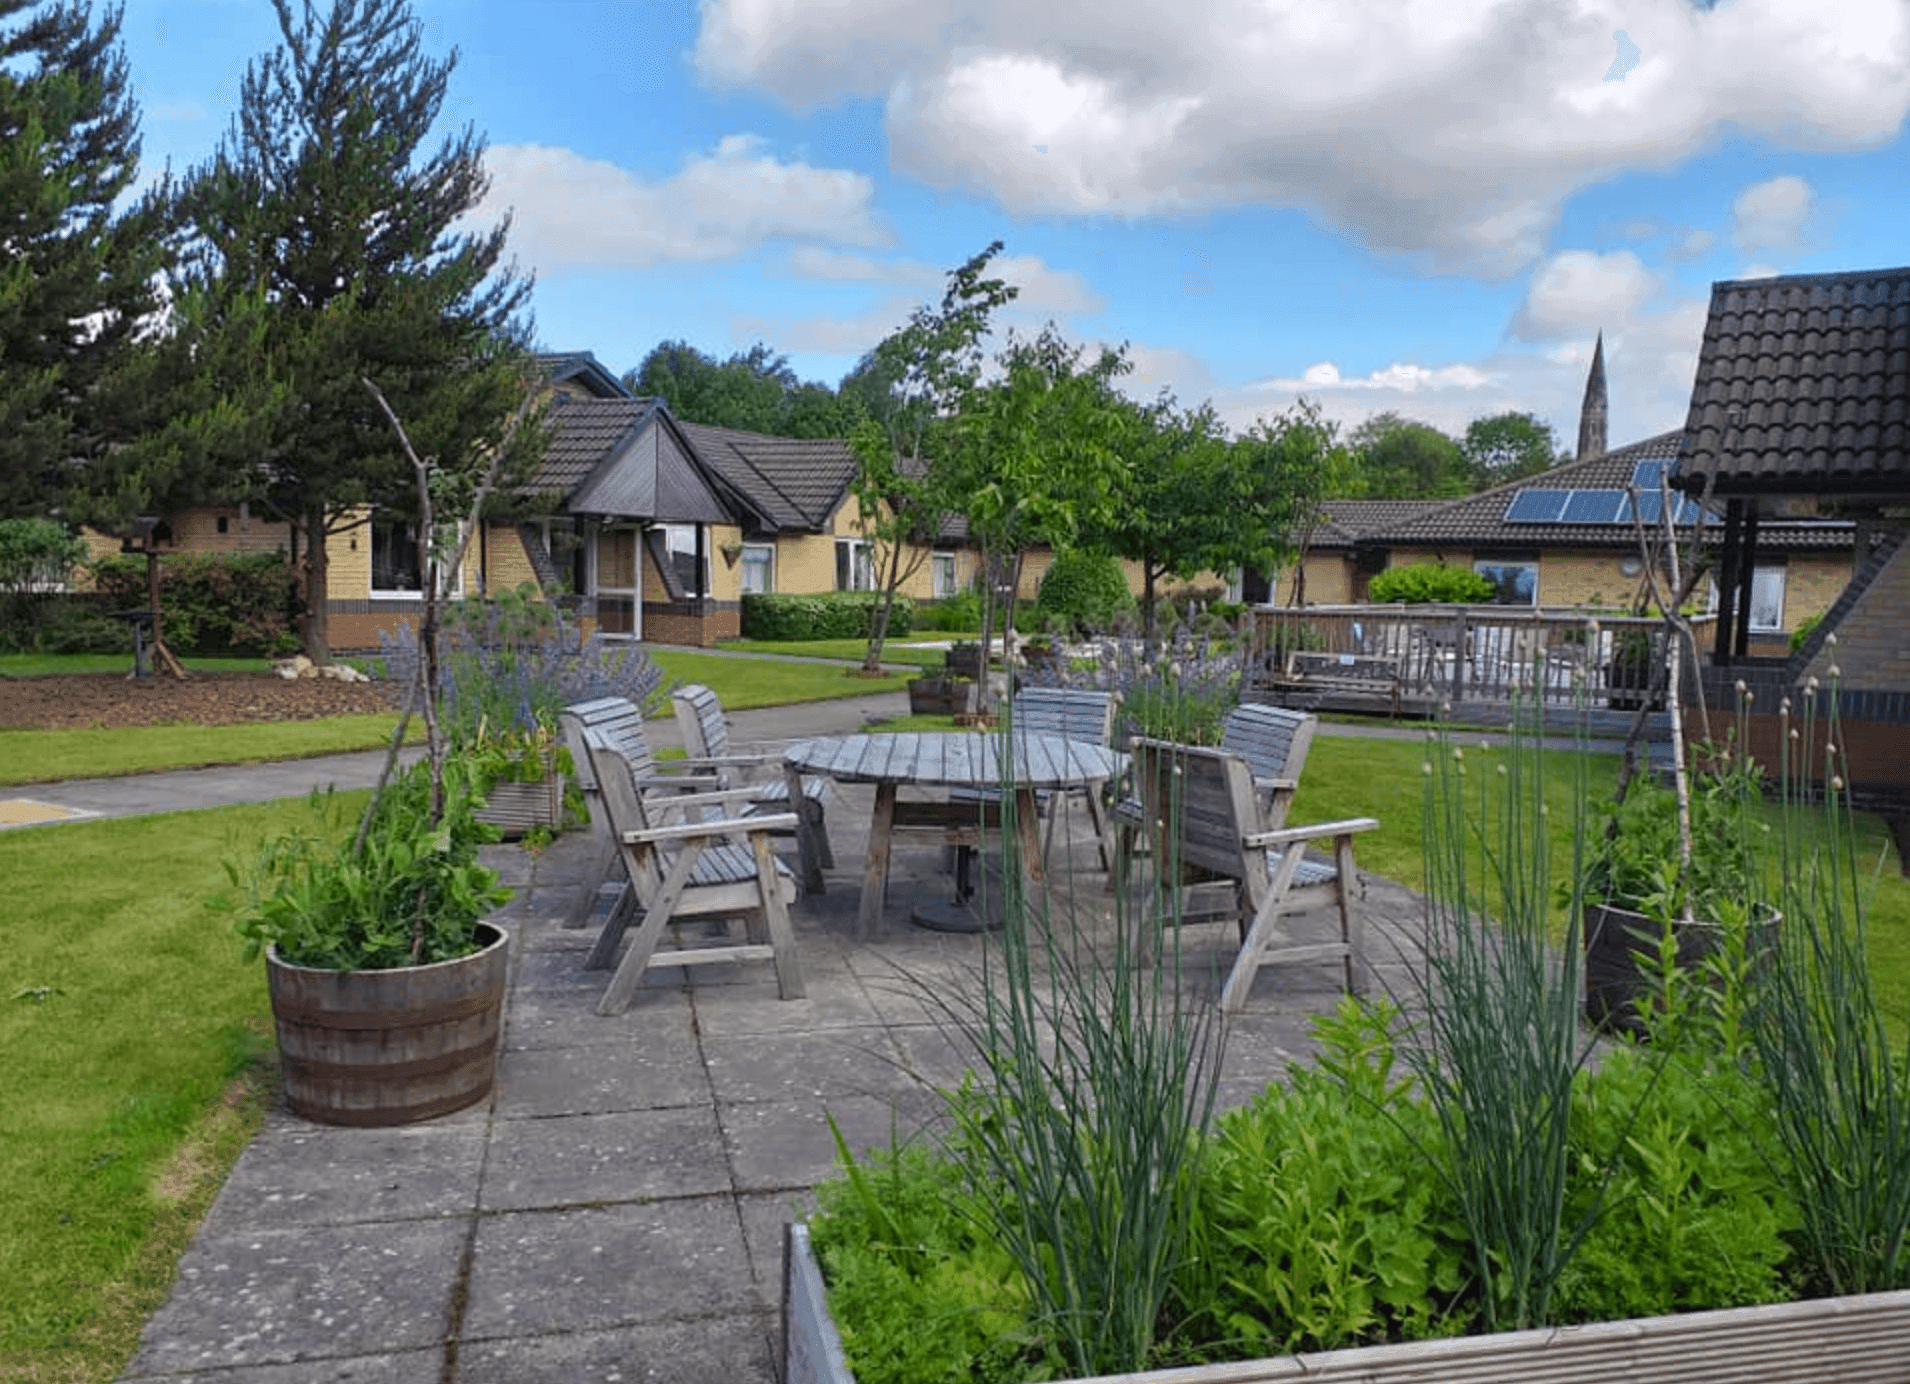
point(939, 915)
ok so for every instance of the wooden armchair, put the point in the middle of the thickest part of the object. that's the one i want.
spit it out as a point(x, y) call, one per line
point(706, 735)
point(686, 863)
point(1219, 862)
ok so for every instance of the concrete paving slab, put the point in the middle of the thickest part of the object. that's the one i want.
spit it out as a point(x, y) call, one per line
point(784, 1146)
point(593, 1268)
point(648, 1071)
point(833, 1000)
point(802, 1066)
point(403, 1367)
point(764, 1217)
point(569, 1017)
point(579, 1160)
point(277, 1296)
point(733, 1349)
point(298, 1174)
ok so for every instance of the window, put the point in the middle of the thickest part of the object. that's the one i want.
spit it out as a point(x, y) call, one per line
point(394, 558)
point(1514, 583)
point(758, 567)
point(1767, 599)
point(693, 576)
point(615, 582)
point(941, 576)
point(855, 571)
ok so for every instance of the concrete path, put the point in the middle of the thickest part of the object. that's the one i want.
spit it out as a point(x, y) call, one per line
point(615, 1210)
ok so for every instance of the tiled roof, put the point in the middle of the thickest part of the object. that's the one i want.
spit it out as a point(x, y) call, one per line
point(1803, 386)
point(591, 374)
point(1344, 522)
point(583, 433)
point(1480, 520)
point(794, 483)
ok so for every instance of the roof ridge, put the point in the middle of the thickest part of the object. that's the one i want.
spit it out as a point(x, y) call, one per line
point(1835, 276)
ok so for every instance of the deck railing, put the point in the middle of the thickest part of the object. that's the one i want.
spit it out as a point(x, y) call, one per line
point(1459, 655)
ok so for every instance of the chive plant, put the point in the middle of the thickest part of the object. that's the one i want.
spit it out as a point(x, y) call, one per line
point(1098, 1067)
point(1840, 1085)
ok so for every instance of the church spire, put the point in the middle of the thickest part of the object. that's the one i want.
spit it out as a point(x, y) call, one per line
point(1591, 413)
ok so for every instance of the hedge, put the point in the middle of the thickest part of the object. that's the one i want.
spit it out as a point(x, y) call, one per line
point(831, 615)
point(240, 603)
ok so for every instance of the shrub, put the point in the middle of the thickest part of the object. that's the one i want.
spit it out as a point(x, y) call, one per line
point(957, 614)
point(1804, 629)
point(1428, 582)
point(214, 603)
point(37, 557)
point(830, 615)
point(1083, 592)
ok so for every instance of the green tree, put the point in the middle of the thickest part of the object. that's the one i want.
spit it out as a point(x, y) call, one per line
point(910, 390)
point(1507, 447)
point(1399, 459)
point(1039, 458)
point(77, 275)
point(320, 226)
point(753, 391)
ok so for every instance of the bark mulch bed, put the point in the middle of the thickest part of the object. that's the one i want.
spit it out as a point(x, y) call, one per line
point(208, 699)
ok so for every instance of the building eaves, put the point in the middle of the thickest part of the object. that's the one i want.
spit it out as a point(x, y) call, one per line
point(583, 367)
point(1803, 387)
point(795, 483)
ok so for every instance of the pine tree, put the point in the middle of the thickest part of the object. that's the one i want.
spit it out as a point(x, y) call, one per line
point(76, 279)
point(320, 206)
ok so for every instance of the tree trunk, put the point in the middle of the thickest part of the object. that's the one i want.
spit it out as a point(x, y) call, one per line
point(879, 619)
point(318, 645)
point(1148, 618)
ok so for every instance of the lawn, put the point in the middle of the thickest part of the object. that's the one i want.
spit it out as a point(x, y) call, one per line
point(133, 1031)
point(46, 665)
point(37, 756)
point(923, 650)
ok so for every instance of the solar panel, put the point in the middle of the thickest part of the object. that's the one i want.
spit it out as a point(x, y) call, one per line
point(1651, 506)
point(1594, 507)
point(1646, 474)
point(1537, 506)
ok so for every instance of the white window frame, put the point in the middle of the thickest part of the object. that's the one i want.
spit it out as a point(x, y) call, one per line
point(944, 575)
point(762, 555)
point(1485, 567)
point(1763, 580)
point(682, 538)
point(634, 594)
point(860, 565)
point(401, 593)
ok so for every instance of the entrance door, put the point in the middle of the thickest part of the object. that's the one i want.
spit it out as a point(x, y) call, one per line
point(616, 581)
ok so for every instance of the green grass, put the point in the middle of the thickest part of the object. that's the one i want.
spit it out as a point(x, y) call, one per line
point(47, 665)
point(1351, 777)
point(909, 650)
point(40, 756)
point(126, 1013)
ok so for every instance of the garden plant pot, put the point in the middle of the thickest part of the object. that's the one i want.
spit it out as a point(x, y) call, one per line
point(1621, 959)
point(390, 1047)
point(515, 807)
point(941, 696)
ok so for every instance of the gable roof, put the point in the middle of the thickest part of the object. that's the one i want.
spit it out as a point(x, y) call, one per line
point(1803, 386)
point(583, 370)
point(1485, 520)
point(626, 459)
point(793, 483)
point(1343, 523)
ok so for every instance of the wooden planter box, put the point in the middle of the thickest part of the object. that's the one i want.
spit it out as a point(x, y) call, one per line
point(1864, 1338)
point(941, 696)
point(514, 807)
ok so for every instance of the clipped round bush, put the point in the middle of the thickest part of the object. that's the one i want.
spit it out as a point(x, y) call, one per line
point(1426, 583)
point(1085, 591)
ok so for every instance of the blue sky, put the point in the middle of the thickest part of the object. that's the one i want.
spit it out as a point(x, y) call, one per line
point(1429, 206)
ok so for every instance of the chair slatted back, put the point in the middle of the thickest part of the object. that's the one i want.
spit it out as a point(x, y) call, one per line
point(699, 715)
point(617, 723)
point(1274, 741)
point(1073, 713)
point(1202, 804)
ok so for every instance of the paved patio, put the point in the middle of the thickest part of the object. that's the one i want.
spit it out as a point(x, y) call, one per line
point(615, 1210)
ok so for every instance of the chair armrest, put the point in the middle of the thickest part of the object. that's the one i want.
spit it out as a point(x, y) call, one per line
point(680, 802)
point(728, 826)
point(1286, 836)
point(676, 782)
point(1276, 785)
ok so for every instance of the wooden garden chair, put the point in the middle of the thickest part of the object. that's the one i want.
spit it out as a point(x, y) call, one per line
point(685, 863)
point(1072, 713)
point(706, 735)
point(1220, 863)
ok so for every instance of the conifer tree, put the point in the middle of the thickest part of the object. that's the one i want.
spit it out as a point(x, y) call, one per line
point(322, 207)
point(77, 279)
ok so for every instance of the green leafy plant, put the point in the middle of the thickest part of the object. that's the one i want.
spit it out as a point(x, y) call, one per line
point(830, 615)
point(412, 895)
point(1083, 592)
point(214, 603)
point(1805, 628)
point(1425, 583)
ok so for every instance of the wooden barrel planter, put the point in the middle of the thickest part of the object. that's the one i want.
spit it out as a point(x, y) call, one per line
point(941, 696)
point(1621, 959)
point(394, 1047)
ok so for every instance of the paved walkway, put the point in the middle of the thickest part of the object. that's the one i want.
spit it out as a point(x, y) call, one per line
point(615, 1210)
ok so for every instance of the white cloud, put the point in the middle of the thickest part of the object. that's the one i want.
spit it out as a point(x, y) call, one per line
point(1448, 131)
point(1694, 244)
point(1580, 291)
point(1773, 215)
point(572, 212)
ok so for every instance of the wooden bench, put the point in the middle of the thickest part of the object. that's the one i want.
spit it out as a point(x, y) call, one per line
point(1361, 675)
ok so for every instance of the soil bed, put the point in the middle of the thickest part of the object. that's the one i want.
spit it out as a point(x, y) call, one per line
point(76, 701)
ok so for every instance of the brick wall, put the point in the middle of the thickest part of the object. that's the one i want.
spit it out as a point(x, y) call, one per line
point(698, 623)
point(1873, 636)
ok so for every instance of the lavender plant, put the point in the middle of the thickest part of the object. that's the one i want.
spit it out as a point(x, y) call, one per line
point(1182, 694)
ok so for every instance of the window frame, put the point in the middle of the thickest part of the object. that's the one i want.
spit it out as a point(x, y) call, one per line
point(403, 593)
point(1487, 567)
point(940, 590)
point(767, 554)
point(859, 563)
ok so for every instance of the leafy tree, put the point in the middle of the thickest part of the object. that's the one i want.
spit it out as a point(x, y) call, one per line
point(1399, 459)
point(1508, 446)
point(753, 391)
point(910, 390)
point(77, 276)
point(1039, 457)
point(320, 227)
